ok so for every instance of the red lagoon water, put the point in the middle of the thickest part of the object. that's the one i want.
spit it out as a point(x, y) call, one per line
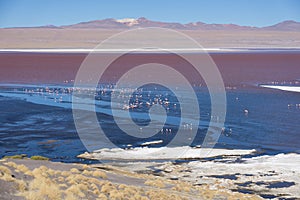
point(235, 68)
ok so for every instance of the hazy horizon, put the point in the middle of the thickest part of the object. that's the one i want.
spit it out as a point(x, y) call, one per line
point(126, 19)
point(245, 13)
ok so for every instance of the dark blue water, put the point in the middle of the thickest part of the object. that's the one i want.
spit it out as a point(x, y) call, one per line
point(39, 122)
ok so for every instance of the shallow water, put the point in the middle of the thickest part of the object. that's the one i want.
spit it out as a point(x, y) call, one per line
point(41, 123)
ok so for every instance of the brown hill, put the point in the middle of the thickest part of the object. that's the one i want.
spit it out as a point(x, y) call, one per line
point(142, 22)
point(285, 26)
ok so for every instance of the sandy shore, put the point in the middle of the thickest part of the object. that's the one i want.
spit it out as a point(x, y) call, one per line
point(35, 179)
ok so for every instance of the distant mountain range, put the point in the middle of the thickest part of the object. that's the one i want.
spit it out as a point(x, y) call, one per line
point(142, 22)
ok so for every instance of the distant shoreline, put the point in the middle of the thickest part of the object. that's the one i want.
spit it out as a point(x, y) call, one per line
point(150, 50)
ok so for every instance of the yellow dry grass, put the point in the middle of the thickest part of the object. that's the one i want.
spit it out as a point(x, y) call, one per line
point(85, 167)
point(75, 190)
point(74, 171)
point(66, 173)
point(63, 185)
point(22, 185)
point(116, 195)
point(93, 186)
point(87, 172)
point(70, 196)
point(4, 170)
point(51, 172)
point(162, 194)
point(99, 174)
point(43, 188)
point(156, 183)
point(5, 174)
point(102, 197)
point(182, 187)
point(60, 179)
point(107, 188)
point(11, 164)
point(22, 168)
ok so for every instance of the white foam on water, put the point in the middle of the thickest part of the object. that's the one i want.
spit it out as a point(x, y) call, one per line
point(283, 88)
point(152, 142)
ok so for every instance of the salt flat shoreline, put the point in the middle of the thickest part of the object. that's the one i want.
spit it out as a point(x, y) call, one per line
point(150, 50)
point(245, 171)
point(270, 177)
point(163, 153)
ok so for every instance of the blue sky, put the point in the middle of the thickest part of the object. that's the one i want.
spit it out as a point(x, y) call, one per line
point(62, 12)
